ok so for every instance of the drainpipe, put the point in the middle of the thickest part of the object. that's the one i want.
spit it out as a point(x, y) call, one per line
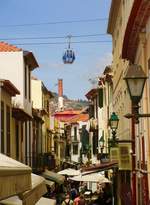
point(133, 161)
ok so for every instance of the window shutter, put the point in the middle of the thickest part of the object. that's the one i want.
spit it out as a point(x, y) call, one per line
point(100, 98)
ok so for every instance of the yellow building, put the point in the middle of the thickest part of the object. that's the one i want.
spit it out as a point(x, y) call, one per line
point(42, 139)
point(129, 25)
point(118, 18)
point(7, 140)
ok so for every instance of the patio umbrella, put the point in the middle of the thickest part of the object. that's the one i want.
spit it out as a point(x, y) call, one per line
point(69, 172)
point(15, 177)
point(94, 177)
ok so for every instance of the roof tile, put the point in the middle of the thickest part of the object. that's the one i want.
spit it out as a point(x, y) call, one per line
point(5, 47)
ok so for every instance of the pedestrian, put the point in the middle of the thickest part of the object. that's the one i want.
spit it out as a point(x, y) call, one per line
point(67, 200)
point(82, 200)
point(73, 192)
point(76, 200)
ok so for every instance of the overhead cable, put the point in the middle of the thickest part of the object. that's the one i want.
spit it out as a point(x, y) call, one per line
point(55, 22)
point(59, 43)
point(52, 37)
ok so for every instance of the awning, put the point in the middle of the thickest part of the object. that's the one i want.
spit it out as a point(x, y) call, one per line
point(94, 177)
point(54, 177)
point(69, 172)
point(30, 197)
point(15, 177)
point(16, 201)
point(100, 167)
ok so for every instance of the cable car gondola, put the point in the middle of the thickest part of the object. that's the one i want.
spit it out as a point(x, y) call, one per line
point(69, 55)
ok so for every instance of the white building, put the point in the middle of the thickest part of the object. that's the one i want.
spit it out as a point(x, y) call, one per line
point(16, 65)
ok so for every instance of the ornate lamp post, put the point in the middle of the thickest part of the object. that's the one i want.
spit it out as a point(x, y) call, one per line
point(135, 79)
point(113, 122)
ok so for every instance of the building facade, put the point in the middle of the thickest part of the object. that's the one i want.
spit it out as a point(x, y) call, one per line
point(17, 65)
point(129, 25)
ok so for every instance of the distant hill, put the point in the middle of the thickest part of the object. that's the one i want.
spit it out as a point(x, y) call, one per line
point(68, 103)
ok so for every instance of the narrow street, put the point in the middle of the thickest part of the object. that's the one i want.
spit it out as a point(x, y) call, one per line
point(75, 102)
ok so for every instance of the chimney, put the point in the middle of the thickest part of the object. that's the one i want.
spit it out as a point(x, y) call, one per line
point(60, 94)
point(60, 87)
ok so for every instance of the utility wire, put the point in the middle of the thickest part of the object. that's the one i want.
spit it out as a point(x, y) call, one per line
point(56, 22)
point(53, 37)
point(59, 43)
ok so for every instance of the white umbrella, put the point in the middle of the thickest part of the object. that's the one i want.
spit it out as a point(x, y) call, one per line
point(94, 177)
point(69, 172)
point(38, 189)
point(15, 177)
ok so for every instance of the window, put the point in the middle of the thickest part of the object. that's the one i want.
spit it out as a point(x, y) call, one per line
point(29, 79)
point(29, 143)
point(17, 141)
point(95, 142)
point(100, 98)
point(75, 133)
point(8, 129)
point(56, 148)
point(26, 143)
point(75, 149)
point(25, 81)
point(47, 106)
point(2, 127)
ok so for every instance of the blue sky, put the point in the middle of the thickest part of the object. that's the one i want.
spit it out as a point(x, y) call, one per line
point(91, 59)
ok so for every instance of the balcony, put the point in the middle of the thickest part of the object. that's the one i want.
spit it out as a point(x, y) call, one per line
point(27, 107)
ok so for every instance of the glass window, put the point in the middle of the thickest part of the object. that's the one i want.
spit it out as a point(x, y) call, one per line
point(75, 133)
point(8, 129)
point(2, 127)
point(75, 149)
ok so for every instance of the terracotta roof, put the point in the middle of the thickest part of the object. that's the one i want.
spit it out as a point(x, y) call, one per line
point(5, 47)
point(92, 93)
point(28, 56)
point(80, 117)
point(68, 112)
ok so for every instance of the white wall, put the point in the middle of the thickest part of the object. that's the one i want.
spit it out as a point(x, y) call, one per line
point(36, 93)
point(11, 68)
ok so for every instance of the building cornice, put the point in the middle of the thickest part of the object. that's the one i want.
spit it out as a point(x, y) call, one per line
point(115, 4)
point(136, 23)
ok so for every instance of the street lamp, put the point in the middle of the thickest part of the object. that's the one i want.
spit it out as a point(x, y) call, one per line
point(113, 123)
point(135, 79)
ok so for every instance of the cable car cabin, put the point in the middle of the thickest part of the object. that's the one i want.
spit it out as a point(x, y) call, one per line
point(69, 56)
